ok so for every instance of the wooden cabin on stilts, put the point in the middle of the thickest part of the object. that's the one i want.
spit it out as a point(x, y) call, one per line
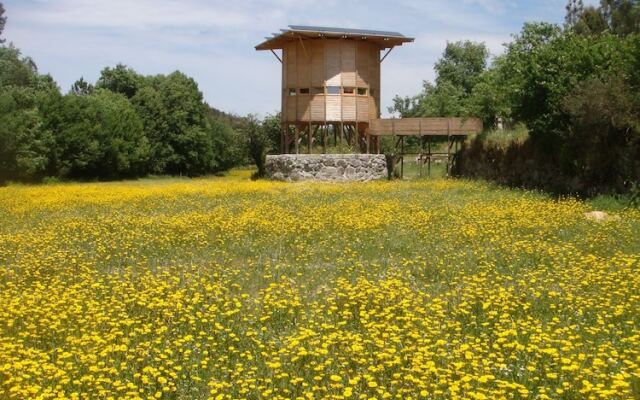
point(330, 84)
point(331, 93)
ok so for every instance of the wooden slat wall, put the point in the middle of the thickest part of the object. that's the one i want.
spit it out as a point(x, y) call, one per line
point(317, 62)
point(285, 81)
point(425, 126)
point(334, 104)
point(362, 108)
point(348, 49)
point(374, 68)
point(363, 59)
point(303, 54)
point(374, 107)
point(317, 108)
point(292, 65)
point(349, 108)
point(291, 108)
point(303, 107)
point(332, 63)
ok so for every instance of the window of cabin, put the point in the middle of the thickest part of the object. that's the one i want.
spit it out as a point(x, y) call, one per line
point(291, 92)
point(362, 91)
point(348, 90)
point(333, 89)
point(317, 90)
point(304, 90)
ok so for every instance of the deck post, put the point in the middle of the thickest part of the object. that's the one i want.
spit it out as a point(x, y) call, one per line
point(325, 132)
point(429, 157)
point(402, 157)
point(282, 139)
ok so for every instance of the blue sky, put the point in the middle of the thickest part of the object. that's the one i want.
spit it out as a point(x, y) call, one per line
point(213, 41)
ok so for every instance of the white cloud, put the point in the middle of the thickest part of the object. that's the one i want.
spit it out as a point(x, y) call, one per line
point(147, 14)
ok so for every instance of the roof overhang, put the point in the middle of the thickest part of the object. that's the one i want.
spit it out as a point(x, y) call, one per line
point(297, 32)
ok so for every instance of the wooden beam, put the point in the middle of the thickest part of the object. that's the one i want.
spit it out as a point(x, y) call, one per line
point(385, 55)
point(275, 54)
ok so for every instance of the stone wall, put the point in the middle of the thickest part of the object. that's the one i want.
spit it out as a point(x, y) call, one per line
point(326, 167)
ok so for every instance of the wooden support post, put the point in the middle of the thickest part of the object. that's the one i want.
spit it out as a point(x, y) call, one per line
point(448, 145)
point(282, 139)
point(309, 140)
point(402, 158)
point(450, 141)
point(296, 135)
point(368, 140)
point(325, 132)
point(420, 156)
point(429, 157)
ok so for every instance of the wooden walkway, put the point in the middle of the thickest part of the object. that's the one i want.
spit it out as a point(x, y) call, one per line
point(454, 130)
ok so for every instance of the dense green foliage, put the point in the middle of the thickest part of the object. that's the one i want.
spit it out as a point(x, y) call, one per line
point(99, 135)
point(458, 71)
point(126, 125)
point(575, 88)
point(24, 142)
point(258, 144)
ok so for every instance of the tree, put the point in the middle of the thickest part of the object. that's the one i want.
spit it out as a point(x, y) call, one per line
point(16, 70)
point(584, 20)
point(458, 71)
point(257, 144)
point(489, 98)
point(272, 125)
point(461, 64)
point(622, 16)
point(81, 88)
point(120, 79)
point(96, 136)
point(24, 142)
point(574, 8)
point(183, 138)
point(3, 21)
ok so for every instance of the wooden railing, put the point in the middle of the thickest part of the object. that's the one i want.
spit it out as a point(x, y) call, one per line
point(424, 126)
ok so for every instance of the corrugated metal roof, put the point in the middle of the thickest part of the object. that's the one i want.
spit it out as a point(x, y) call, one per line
point(386, 39)
point(343, 31)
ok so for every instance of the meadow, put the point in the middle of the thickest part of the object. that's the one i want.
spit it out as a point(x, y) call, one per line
point(227, 288)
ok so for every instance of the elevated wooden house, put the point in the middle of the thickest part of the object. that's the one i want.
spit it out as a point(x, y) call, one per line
point(331, 92)
point(330, 81)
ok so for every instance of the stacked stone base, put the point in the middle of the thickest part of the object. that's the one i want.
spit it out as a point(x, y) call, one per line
point(326, 167)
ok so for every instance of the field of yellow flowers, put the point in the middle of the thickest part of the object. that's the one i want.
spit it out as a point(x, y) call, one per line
point(225, 288)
